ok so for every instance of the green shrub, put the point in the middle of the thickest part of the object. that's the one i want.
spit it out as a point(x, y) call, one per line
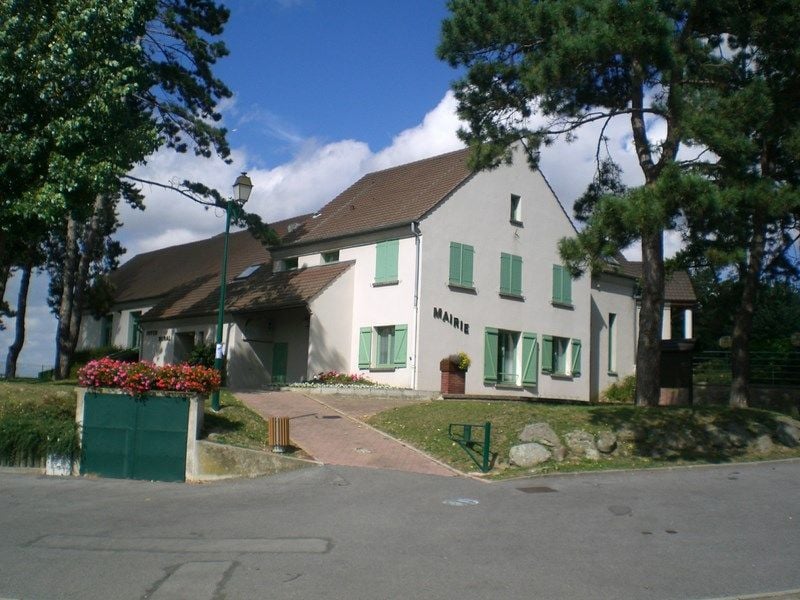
point(622, 392)
point(36, 429)
point(203, 355)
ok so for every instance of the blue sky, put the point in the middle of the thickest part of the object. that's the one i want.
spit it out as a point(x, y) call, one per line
point(324, 92)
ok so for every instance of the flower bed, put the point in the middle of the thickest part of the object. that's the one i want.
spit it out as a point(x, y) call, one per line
point(334, 379)
point(141, 377)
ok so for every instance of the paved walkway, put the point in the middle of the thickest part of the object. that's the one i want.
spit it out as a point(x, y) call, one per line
point(329, 429)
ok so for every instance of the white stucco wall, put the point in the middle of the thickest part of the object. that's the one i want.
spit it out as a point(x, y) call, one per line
point(91, 329)
point(478, 214)
point(160, 338)
point(612, 294)
point(330, 333)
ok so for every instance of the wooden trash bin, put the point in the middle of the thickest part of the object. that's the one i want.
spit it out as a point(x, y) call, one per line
point(278, 433)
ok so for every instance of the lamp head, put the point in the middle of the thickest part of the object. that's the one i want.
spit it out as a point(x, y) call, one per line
point(242, 188)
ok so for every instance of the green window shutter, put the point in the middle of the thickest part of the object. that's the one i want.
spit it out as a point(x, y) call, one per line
point(364, 347)
point(566, 286)
point(455, 262)
point(400, 337)
point(490, 355)
point(467, 260)
point(557, 283)
point(386, 261)
point(576, 358)
point(516, 275)
point(505, 273)
point(547, 354)
point(530, 359)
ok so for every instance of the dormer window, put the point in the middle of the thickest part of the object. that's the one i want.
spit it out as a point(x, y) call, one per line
point(248, 271)
point(330, 257)
point(290, 264)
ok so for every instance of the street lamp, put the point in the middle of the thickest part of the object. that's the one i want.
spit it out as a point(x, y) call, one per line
point(241, 193)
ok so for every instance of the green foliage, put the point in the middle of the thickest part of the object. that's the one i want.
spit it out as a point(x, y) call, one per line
point(202, 354)
point(30, 428)
point(621, 392)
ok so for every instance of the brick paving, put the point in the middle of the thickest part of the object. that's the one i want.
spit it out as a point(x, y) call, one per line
point(337, 437)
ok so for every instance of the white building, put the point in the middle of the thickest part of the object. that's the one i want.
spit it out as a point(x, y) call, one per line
point(407, 266)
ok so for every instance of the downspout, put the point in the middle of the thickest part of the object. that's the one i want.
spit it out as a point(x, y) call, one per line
point(417, 241)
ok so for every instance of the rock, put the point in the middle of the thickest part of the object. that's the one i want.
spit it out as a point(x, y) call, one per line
point(528, 455)
point(737, 435)
point(559, 453)
point(762, 445)
point(581, 443)
point(628, 435)
point(606, 442)
point(541, 433)
point(788, 432)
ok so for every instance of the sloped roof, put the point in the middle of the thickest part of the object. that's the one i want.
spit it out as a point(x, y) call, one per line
point(677, 284)
point(263, 290)
point(389, 198)
point(154, 274)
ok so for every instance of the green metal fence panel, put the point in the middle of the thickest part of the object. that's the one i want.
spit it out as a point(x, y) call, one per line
point(135, 437)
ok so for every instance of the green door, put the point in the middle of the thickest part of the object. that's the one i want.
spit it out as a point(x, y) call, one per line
point(135, 438)
point(280, 360)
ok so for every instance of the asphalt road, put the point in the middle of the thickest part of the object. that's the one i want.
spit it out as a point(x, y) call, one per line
point(336, 532)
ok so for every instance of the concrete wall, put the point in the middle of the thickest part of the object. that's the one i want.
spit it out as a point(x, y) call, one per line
point(91, 329)
point(612, 294)
point(253, 338)
point(478, 214)
point(331, 327)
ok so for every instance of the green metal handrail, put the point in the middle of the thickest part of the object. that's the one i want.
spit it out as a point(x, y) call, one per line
point(464, 439)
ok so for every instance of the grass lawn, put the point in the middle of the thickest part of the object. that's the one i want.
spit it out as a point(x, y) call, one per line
point(425, 426)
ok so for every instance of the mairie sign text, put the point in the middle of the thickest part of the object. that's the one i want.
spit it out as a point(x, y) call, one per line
point(443, 315)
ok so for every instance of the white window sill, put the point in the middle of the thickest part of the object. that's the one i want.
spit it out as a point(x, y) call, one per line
point(385, 283)
point(566, 305)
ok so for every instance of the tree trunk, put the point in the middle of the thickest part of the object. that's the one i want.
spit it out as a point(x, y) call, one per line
point(63, 354)
point(19, 326)
point(5, 273)
point(71, 309)
point(743, 320)
point(648, 349)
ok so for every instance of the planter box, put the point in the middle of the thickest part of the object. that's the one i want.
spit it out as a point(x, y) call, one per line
point(152, 436)
point(453, 378)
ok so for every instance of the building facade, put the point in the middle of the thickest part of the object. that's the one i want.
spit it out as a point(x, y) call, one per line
point(406, 267)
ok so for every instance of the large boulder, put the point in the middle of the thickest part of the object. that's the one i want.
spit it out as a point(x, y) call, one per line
point(788, 432)
point(528, 455)
point(762, 445)
point(541, 433)
point(581, 443)
point(606, 442)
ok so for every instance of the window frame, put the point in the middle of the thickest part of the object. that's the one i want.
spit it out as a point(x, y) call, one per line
point(558, 351)
point(369, 347)
point(511, 266)
point(387, 255)
point(327, 257)
point(562, 287)
point(515, 213)
point(612, 343)
point(464, 256)
point(526, 360)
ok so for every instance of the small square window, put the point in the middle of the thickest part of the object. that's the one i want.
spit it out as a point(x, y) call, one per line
point(516, 209)
point(330, 257)
point(290, 264)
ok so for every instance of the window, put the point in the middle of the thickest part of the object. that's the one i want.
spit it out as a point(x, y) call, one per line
point(510, 274)
point(133, 329)
point(461, 260)
point(612, 343)
point(330, 257)
point(386, 262)
point(561, 356)
point(516, 209)
point(248, 271)
point(562, 286)
point(506, 361)
point(290, 264)
point(106, 330)
point(382, 347)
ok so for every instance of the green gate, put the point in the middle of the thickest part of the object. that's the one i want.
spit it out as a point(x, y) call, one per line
point(131, 437)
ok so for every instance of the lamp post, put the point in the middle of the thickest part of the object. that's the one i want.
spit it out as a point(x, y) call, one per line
point(241, 193)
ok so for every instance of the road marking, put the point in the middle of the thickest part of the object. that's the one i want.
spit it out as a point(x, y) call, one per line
point(193, 580)
point(236, 545)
